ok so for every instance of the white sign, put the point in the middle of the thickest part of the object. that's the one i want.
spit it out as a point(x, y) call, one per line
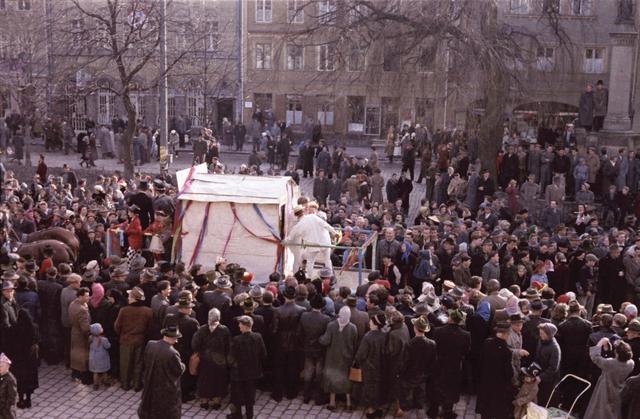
point(248, 104)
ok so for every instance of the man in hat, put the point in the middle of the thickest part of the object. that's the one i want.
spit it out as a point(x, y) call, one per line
point(161, 397)
point(50, 329)
point(8, 307)
point(453, 344)
point(162, 202)
point(188, 326)
point(514, 341)
point(219, 297)
point(159, 304)
point(313, 324)
point(530, 335)
point(148, 285)
point(118, 279)
point(91, 249)
point(246, 357)
point(132, 324)
point(248, 307)
point(418, 364)
point(67, 296)
point(495, 394)
point(285, 329)
point(632, 337)
point(611, 281)
point(142, 198)
point(79, 321)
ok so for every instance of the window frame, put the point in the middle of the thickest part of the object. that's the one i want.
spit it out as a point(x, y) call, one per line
point(295, 14)
point(261, 11)
point(327, 11)
point(523, 7)
point(601, 51)
point(23, 5)
point(269, 61)
point(330, 57)
point(583, 4)
point(551, 60)
point(292, 67)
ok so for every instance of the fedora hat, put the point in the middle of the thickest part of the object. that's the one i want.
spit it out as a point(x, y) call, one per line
point(148, 274)
point(138, 263)
point(222, 282)
point(249, 305)
point(7, 285)
point(256, 292)
point(171, 332)
point(10, 275)
point(532, 293)
point(185, 302)
point(606, 309)
point(136, 293)
point(421, 324)
point(120, 271)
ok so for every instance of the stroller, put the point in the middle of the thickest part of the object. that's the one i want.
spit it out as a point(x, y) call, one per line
point(535, 411)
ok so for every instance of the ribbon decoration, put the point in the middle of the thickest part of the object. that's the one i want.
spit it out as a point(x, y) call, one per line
point(178, 216)
point(203, 231)
point(274, 240)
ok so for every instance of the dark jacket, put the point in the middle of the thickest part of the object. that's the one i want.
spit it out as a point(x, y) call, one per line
point(133, 324)
point(573, 335)
point(285, 326)
point(419, 360)
point(161, 395)
point(187, 326)
point(453, 344)
point(312, 325)
point(246, 357)
point(495, 394)
point(631, 398)
point(144, 201)
point(530, 336)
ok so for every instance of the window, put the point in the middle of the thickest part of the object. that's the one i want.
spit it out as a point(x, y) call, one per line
point(357, 13)
point(294, 110)
point(263, 11)
point(137, 99)
point(295, 14)
point(426, 60)
point(356, 58)
point(327, 11)
point(263, 56)
point(77, 28)
point(295, 57)
point(424, 112)
point(581, 7)
point(171, 108)
point(106, 106)
point(545, 59)
point(24, 5)
point(326, 57)
point(212, 37)
point(183, 36)
point(325, 114)
point(391, 59)
point(594, 60)
point(355, 109)
point(372, 120)
point(263, 100)
point(195, 106)
point(551, 6)
point(519, 7)
point(5, 49)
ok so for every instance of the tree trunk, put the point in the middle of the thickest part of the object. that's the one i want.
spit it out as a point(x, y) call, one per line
point(127, 137)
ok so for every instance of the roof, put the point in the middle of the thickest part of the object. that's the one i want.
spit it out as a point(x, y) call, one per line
point(205, 187)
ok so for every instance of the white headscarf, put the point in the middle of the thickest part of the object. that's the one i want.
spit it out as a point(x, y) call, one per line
point(344, 316)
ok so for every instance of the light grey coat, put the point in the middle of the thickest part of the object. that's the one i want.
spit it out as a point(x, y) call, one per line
point(605, 401)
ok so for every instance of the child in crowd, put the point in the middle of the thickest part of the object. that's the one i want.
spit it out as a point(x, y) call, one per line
point(528, 391)
point(99, 361)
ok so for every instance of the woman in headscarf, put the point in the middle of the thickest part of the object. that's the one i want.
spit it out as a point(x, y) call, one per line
point(212, 342)
point(340, 338)
point(98, 305)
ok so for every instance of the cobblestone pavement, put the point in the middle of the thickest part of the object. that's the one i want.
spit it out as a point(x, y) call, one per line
point(59, 397)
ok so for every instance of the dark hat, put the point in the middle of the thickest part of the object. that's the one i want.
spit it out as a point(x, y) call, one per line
point(503, 326)
point(164, 267)
point(457, 317)
point(289, 292)
point(120, 271)
point(171, 332)
point(7, 285)
point(421, 324)
point(379, 320)
point(351, 300)
point(516, 318)
point(249, 305)
point(531, 293)
point(634, 326)
point(185, 303)
point(148, 274)
point(136, 293)
point(537, 305)
point(159, 185)
point(137, 263)
point(31, 266)
point(421, 309)
point(457, 293)
point(317, 302)
point(134, 208)
point(532, 370)
point(373, 276)
point(606, 309)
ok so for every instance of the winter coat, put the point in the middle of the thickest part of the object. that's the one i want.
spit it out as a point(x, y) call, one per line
point(606, 401)
point(377, 183)
point(573, 336)
point(99, 360)
point(246, 356)
point(495, 393)
point(8, 396)
point(418, 361)
point(453, 344)
point(133, 324)
point(341, 349)
point(548, 357)
point(600, 102)
point(311, 327)
point(79, 321)
point(20, 348)
point(213, 370)
point(370, 357)
point(630, 398)
point(585, 109)
point(50, 327)
point(161, 395)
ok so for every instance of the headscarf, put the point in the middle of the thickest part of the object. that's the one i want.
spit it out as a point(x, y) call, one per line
point(344, 317)
point(484, 311)
point(97, 294)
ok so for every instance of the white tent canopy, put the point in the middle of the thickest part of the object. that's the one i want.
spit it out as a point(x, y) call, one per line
point(242, 218)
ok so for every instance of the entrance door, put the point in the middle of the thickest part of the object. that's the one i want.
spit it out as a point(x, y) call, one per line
point(225, 110)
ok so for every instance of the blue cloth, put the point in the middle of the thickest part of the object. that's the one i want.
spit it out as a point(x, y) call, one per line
point(484, 310)
point(98, 355)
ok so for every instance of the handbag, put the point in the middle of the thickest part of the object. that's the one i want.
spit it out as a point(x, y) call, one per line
point(156, 245)
point(194, 363)
point(355, 374)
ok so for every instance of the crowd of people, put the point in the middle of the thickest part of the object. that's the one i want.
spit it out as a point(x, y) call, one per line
point(496, 288)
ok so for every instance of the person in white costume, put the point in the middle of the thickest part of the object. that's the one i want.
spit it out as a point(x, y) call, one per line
point(311, 229)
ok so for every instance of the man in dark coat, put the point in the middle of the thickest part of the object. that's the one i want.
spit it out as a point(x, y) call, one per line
point(486, 187)
point(509, 169)
point(245, 360)
point(312, 325)
point(143, 200)
point(161, 397)
point(188, 326)
point(495, 394)
point(287, 353)
point(418, 363)
point(585, 108)
point(321, 188)
point(453, 344)
point(530, 334)
point(50, 327)
point(611, 280)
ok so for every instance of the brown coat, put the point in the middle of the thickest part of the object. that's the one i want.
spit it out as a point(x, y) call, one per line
point(80, 321)
point(133, 323)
